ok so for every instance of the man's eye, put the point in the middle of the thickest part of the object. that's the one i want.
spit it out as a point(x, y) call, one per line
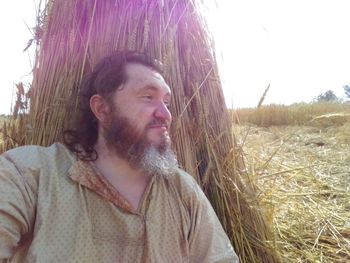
point(148, 97)
point(167, 104)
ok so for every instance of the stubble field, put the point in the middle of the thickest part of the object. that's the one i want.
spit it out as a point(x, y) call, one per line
point(302, 174)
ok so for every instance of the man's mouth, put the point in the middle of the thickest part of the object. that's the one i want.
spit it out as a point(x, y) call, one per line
point(158, 125)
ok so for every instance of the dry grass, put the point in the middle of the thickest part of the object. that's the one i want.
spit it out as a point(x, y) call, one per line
point(3, 121)
point(297, 114)
point(302, 175)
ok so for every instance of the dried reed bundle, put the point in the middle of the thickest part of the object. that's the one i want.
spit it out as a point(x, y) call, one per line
point(76, 34)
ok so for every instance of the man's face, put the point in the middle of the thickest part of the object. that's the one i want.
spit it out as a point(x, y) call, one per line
point(139, 120)
point(143, 100)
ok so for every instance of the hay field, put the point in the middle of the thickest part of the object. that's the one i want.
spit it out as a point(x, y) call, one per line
point(302, 174)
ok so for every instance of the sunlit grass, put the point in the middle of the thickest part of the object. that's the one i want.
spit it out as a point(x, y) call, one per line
point(324, 114)
point(301, 175)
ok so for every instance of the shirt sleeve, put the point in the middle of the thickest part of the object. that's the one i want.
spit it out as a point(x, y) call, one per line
point(207, 240)
point(17, 207)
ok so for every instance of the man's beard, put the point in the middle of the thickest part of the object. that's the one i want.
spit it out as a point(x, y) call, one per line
point(123, 138)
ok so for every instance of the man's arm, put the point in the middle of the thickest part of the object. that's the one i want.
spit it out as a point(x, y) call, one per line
point(17, 207)
point(208, 240)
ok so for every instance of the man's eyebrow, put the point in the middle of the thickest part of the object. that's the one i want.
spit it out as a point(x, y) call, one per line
point(153, 88)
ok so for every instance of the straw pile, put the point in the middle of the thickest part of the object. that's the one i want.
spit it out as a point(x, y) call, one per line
point(76, 34)
point(303, 178)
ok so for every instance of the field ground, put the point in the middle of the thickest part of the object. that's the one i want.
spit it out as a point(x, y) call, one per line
point(302, 174)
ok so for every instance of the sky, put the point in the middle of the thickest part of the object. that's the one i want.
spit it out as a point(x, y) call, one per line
point(17, 17)
point(301, 48)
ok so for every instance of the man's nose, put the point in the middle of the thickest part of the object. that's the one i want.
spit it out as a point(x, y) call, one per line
point(162, 112)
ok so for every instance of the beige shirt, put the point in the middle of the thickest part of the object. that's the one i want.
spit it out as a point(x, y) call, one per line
point(54, 208)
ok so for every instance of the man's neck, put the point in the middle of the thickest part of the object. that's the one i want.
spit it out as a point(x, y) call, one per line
point(128, 181)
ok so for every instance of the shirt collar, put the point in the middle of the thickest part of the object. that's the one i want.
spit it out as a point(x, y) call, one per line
point(83, 173)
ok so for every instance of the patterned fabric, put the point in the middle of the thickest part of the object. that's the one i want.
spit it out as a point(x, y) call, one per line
point(54, 208)
point(84, 174)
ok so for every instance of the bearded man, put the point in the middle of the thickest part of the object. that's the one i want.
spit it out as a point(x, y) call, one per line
point(113, 192)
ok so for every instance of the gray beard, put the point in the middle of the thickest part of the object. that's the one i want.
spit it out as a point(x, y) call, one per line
point(156, 162)
point(122, 138)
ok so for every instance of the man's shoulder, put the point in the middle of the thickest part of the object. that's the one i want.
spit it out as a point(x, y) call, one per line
point(182, 177)
point(185, 185)
point(29, 165)
point(29, 155)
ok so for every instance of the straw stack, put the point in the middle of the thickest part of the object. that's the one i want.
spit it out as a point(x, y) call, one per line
point(76, 34)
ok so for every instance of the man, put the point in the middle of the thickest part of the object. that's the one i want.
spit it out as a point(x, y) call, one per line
point(113, 192)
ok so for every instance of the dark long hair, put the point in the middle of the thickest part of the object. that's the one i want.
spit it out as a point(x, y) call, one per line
point(104, 80)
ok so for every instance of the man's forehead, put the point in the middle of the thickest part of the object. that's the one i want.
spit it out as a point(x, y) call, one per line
point(140, 73)
point(134, 68)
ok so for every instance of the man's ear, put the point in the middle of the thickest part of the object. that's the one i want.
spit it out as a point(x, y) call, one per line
point(100, 107)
